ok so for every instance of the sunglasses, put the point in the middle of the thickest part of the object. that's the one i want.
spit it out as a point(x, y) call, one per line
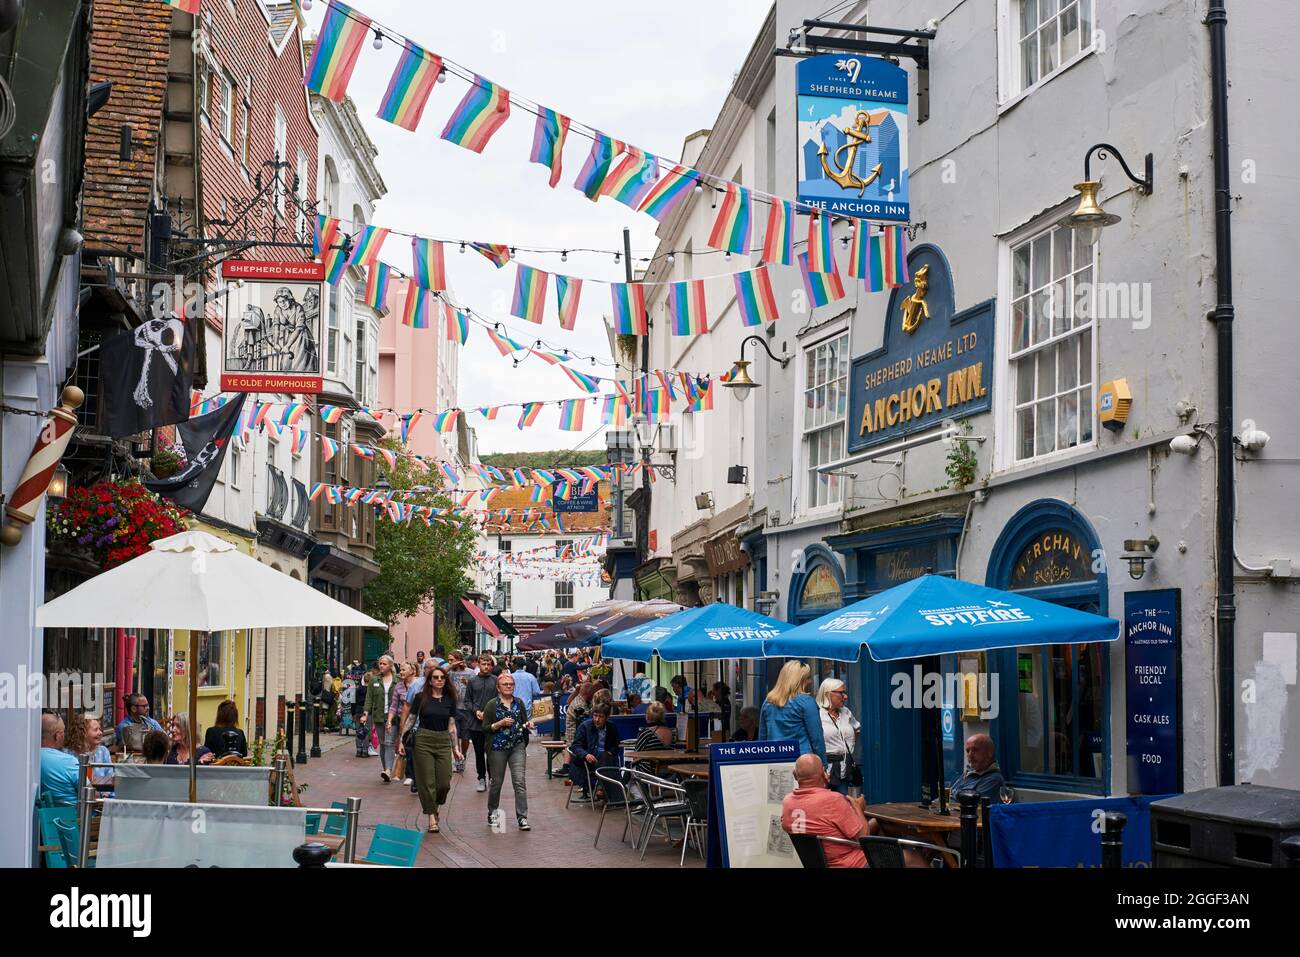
point(437, 677)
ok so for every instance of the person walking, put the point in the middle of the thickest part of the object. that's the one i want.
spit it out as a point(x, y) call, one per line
point(359, 722)
point(396, 727)
point(460, 676)
point(481, 687)
point(506, 720)
point(379, 700)
point(436, 744)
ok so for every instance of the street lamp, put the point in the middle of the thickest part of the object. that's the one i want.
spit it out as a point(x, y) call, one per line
point(1088, 216)
point(738, 379)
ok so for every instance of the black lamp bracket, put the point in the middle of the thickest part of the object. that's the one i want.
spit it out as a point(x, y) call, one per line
point(784, 360)
point(1103, 150)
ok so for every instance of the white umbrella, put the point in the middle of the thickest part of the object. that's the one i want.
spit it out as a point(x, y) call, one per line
point(197, 582)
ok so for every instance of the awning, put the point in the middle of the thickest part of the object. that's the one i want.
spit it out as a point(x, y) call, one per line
point(507, 629)
point(935, 615)
point(480, 616)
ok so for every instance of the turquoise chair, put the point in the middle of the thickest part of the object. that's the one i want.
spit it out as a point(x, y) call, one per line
point(336, 824)
point(50, 834)
point(70, 841)
point(394, 846)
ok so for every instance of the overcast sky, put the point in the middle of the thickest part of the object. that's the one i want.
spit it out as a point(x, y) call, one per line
point(649, 74)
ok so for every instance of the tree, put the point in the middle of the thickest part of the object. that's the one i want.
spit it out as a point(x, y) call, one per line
point(560, 458)
point(419, 565)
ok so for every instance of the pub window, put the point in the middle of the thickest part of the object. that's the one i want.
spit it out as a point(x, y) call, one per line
point(826, 396)
point(211, 662)
point(359, 387)
point(236, 463)
point(332, 331)
point(245, 114)
point(281, 152)
point(226, 106)
point(505, 593)
point(1061, 704)
point(1052, 357)
point(1043, 37)
point(563, 595)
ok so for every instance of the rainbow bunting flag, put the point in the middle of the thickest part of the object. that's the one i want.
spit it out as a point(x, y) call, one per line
point(337, 49)
point(587, 383)
point(530, 294)
point(859, 251)
point(822, 287)
point(260, 413)
point(293, 413)
point(548, 141)
point(366, 249)
point(445, 422)
point(430, 267)
point(390, 457)
point(629, 308)
point(416, 312)
point(479, 115)
point(821, 242)
point(686, 308)
point(703, 400)
point(567, 291)
point(299, 440)
point(495, 253)
point(592, 175)
point(489, 412)
point(505, 345)
point(754, 297)
point(668, 192)
point(571, 415)
point(538, 494)
point(377, 279)
point(328, 245)
point(888, 256)
point(407, 423)
point(778, 243)
point(632, 178)
point(548, 357)
point(731, 228)
point(409, 88)
point(457, 325)
point(185, 6)
point(328, 448)
point(656, 405)
point(529, 414)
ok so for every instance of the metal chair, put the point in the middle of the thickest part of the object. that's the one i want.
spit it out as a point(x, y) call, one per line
point(665, 801)
point(393, 846)
point(591, 791)
point(618, 793)
point(697, 821)
point(809, 848)
point(887, 852)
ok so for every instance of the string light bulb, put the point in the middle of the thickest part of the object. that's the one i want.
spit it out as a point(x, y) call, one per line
point(564, 255)
point(306, 4)
point(462, 248)
point(671, 259)
point(379, 40)
point(699, 186)
point(617, 259)
point(442, 74)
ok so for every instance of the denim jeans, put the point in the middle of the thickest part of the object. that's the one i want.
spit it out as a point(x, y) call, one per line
point(387, 744)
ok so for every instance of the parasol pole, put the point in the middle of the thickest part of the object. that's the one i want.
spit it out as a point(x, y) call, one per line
point(194, 714)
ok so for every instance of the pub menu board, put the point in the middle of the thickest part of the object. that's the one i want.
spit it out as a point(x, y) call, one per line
point(1152, 662)
point(749, 781)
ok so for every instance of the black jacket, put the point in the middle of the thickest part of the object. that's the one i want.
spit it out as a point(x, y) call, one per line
point(479, 689)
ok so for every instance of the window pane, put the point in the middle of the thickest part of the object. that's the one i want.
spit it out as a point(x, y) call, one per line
point(1028, 16)
point(1070, 43)
point(1020, 270)
point(1085, 357)
point(1068, 367)
point(1061, 242)
point(1088, 410)
point(1060, 706)
point(1047, 373)
point(1067, 422)
point(1046, 8)
point(1020, 325)
point(1045, 427)
point(1042, 324)
point(1082, 251)
point(1029, 60)
point(1085, 297)
point(1092, 704)
point(1024, 381)
point(1029, 672)
point(1062, 308)
point(1085, 25)
point(1025, 433)
point(1048, 58)
point(1042, 260)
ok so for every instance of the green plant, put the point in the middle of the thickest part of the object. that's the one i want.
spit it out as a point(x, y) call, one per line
point(165, 463)
point(962, 463)
point(448, 639)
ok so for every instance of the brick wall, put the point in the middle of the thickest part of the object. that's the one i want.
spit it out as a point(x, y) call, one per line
point(129, 47)
point(243, 44)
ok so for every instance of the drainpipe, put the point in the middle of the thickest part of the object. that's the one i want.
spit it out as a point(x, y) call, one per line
point(1225, 610)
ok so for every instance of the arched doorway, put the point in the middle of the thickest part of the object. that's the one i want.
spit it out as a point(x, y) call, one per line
point(1053, 727)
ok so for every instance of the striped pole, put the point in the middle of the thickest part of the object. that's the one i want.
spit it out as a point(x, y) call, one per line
point(41, 464)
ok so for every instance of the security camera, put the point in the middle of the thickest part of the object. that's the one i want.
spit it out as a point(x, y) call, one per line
point(1251, 438)
point(1183, 444)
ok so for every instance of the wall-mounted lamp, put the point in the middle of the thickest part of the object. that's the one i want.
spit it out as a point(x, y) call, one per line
point(738, 380)
point(58, 487)
point(1088, 216)
point(703, 500)
point(737, 475)
point(1137, 552)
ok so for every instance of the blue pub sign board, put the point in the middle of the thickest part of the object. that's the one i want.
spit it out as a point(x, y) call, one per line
point(852, 130)
point(1152, 654)
point(935, 363)
point(576, 502)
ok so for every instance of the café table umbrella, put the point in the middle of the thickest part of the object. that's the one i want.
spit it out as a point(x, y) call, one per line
point(935, 615)
point(603, 618)
point(711, 631)
point(202, 583)
point(556, 635)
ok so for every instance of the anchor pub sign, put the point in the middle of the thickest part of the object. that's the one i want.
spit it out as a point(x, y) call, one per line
point(852, 130)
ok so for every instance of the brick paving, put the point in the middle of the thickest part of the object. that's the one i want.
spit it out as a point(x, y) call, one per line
point(560, 837)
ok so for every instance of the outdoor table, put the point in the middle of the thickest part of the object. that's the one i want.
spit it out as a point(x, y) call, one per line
point(700, 771)
point(553, 749)
point(905, 819)
point(665, 757)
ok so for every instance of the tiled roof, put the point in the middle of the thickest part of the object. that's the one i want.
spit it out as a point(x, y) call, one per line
point(573, 521)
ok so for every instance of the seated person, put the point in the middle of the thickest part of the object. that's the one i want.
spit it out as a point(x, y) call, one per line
point(225, 736)
point(182, 741)
point(748, 721)
point(595, 745)
point(813, 808)
point(156, 746)
point(60, 772)
point(137, 720)
point(664, 698)
point(701, 703)
point(655, 736)
point(634, 703)
point(982, 774)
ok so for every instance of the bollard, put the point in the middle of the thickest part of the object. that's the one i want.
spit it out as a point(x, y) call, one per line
point(277, 776)
point(986, 837)
point(555, 717)
point(349, 854)
point(311, 854)
point(288, 730)
point(85, 812)
point(315, 726)
point(301, 721)
point(969, 803)
point(1112, 839)
point(1291, 851)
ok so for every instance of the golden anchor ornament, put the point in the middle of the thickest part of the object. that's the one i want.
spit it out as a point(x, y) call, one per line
point(855, 136)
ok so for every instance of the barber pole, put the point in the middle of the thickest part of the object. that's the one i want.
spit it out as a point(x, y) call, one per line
point(46, 455)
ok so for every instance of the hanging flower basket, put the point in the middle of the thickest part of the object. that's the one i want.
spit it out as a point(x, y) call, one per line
point(112, 523)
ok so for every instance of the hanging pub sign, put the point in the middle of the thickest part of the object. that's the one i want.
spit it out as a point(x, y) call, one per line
point(271, 340)
point(577, 502)
point(935, 364)
point(1152, 656)
point(852, 130)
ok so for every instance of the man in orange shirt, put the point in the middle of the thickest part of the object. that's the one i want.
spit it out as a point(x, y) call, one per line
point(813, 808)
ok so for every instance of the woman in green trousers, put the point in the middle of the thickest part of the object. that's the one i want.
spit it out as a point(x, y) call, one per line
point(434, 705)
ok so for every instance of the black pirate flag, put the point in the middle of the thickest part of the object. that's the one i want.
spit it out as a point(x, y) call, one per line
point(205, 439)
point(147, 374)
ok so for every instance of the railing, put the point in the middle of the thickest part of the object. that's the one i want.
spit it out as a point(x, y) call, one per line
point(279, 494)
point(301, 505)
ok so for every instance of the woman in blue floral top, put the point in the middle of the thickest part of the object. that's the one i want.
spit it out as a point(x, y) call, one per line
point(506, 722)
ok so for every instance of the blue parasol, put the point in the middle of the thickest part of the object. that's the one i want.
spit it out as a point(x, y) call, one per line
point(696, 634)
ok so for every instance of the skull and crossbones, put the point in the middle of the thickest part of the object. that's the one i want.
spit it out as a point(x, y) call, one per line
point(162, 336)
